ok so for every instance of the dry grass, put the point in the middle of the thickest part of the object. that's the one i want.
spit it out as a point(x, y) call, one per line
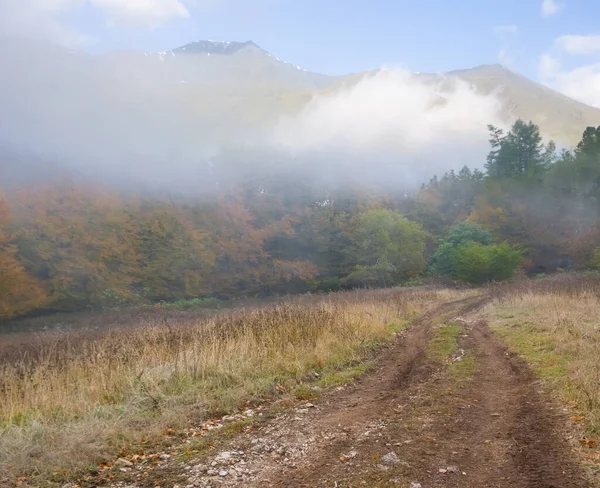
point(554, 324)
point(69, 400)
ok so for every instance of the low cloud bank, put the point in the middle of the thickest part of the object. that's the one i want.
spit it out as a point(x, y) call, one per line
point(129, 119)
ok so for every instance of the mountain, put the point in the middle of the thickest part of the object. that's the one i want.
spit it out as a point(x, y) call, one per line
point(224, 68)
point(188, 103)
point(215, 47)
point(558, 116)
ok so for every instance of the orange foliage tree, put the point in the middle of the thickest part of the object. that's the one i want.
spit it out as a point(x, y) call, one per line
point(19, 292)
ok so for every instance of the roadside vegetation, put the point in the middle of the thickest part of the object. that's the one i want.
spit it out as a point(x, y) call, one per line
point(72, 400)
point(78, 246)
point(553, 324)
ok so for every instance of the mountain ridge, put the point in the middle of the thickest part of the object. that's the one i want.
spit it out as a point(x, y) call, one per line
point(214, 47)
point(65, 101)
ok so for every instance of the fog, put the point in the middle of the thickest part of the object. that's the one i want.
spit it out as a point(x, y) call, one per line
point(393, 126)
point(170, 122)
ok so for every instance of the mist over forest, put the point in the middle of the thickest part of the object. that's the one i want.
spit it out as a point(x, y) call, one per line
point(217, 170)
point(166, 119)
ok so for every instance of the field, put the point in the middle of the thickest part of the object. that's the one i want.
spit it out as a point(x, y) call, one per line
point(499, 386)
point(71, 400)
point(555, 324)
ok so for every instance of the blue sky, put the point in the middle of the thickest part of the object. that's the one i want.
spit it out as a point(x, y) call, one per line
point(342, 36)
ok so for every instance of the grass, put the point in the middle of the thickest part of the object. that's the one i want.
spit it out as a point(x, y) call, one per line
point(461, 372)
point(190, 303)
point(72, 400)
point(443, 348)
point(444, 342)
point(553, 324)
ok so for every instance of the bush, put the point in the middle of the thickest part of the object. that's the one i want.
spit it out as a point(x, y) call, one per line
point(386, 249)
point(327, 284)
point(595, 261)
point(459, 235)
point(369, 277)
point(478, 264)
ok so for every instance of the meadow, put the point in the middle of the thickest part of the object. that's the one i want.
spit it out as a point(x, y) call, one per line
point(73, 399)
point(554, 324)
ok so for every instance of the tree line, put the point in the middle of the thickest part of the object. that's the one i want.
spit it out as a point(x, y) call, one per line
point(74, 246)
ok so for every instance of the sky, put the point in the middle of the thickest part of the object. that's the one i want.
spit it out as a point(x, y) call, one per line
point(556, 42)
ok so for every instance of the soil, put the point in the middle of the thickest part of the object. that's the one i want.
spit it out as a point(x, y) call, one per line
point(410, 423)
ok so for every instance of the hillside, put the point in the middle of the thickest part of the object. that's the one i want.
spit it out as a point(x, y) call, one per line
point(558, 116)
point(190, 102)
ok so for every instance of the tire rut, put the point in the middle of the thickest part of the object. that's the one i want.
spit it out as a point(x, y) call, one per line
point(493, 428)
point(507, 434)
point(402, 370)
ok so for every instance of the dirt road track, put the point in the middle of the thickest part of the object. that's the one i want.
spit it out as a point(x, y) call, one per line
point(414, 421)
point(498, 430)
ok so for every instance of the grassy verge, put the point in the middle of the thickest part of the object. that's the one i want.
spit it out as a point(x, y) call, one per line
point(444, 342)
point(553, 325)
point(444, 348)
point(71, 403)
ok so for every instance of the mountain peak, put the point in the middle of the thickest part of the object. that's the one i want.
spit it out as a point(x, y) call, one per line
point(214, 47)
point(490, 69)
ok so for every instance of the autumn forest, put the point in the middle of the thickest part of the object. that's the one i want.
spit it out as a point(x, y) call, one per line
point(71, 245)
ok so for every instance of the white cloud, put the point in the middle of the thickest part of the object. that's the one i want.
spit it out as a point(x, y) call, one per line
point(42, 19)
point(551, 7)
point(505, 29)
point(580, 45)
point(581, 82)
point(393, 116)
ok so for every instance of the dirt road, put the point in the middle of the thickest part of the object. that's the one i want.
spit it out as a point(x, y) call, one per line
point(475, 419)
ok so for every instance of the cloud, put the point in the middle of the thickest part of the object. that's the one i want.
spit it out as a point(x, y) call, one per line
point(505, 29)
point(127, 119)
point(581, 82)
point(578, 45)
point(43, 19)
point(40, 20)
point(397, 119)
point(551, 7)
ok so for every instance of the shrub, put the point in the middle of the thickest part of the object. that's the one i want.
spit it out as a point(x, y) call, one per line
point(595, 261)
point(478, 264)
point(386, 249)
point(459, 235)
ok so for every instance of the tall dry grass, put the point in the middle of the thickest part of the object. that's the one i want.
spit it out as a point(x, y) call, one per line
point(69, 399)
point(555, 324)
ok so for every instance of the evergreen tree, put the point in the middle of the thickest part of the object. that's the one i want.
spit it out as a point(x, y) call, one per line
point(518, 153)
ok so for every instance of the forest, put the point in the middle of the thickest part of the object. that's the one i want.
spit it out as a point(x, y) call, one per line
point(70, 245)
